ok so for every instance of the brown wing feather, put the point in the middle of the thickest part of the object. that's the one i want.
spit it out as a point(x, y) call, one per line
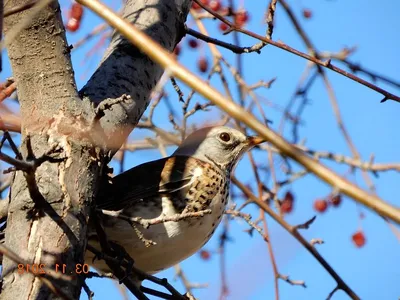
point(159, 177)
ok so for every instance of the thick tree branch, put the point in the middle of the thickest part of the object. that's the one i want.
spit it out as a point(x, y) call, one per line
point(126, 71)
point(47, 93)
point(52, 112)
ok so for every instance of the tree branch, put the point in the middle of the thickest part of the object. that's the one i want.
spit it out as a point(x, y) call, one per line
point(126, 71)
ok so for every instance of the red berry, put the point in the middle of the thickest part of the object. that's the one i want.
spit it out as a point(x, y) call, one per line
point(307, 14)
point(225, 11)
point(215, 5)
point(289, 196)
point(287, 203)
point(202, 64)
point(336, 200)
point(320, 205)
point(73, 25)
point(193, 43)
point(205, 255)
point(223, 27)
point(241, 17)
point(76, 11)
point(177, 50)
point(286, 206)
point(358, 239)
point(198, 7)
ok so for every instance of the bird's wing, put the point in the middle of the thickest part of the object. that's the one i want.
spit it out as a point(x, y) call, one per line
point(160, 177)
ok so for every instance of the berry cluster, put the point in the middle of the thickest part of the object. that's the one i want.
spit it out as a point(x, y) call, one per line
point(240, 17)
point(321, 205)
point(202, 62)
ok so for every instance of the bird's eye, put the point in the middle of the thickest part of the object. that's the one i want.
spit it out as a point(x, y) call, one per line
point(226, 137)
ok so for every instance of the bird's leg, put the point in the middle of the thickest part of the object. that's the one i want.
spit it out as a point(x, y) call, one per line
point(114, 250)
point(122, 256)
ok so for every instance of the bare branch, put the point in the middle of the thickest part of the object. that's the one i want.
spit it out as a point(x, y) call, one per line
point(316, 241)
point(292, 282)
point(247, 218)
point(125, 71)
point(307, 224)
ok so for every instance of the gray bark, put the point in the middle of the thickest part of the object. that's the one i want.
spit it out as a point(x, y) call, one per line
point(126, 73)
point(47, 218)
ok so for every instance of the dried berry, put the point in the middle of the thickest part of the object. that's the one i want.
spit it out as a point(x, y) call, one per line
point(289, 196)
point(74, 17)
point(320, 205)
point(198, 7)
point(76, 11)
point(307, 14)
point(215, 5)
point(202, 64)
point(177, 50)
point(205, 255)
point(286, 207)
point(287, 203)
point(193, 43)
point(336, 200)
point(358, 239)
point(73, 25)
point(223, 27)
point(241, 18)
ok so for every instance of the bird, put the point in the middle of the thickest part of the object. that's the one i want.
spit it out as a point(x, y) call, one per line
point(195, 178)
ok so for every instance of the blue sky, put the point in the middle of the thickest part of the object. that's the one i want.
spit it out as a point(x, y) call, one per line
point(373, 271)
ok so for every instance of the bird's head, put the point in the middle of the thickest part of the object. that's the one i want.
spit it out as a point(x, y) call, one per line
point(220, 145)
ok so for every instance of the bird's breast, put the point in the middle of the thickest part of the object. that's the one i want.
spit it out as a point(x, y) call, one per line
point(172, 241)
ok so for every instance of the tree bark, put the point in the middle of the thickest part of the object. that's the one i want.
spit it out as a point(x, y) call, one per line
point(126, 73)
point(47, 93)
point(49, 210)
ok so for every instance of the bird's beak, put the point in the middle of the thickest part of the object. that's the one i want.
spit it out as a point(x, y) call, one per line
point(255, 140)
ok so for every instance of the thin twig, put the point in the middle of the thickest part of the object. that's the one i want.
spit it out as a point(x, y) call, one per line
point(247, 218)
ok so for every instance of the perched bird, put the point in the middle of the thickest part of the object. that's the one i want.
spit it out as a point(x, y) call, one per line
point(194, 178)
